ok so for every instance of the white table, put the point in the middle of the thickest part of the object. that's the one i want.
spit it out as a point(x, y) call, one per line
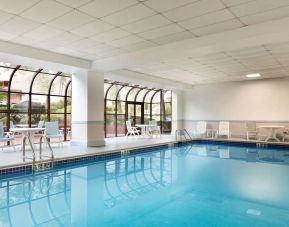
point(144, 129)
point(27, 133)
point(272, 131)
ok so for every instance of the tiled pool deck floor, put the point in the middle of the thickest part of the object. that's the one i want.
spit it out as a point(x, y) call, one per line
point(9, 158)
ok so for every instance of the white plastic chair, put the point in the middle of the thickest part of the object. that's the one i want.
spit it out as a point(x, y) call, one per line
point(154, 129)
point(52, 132)
point(224, 129)
point(201, 128)
point(251, 130)
point(6, 137)
point(131, 130)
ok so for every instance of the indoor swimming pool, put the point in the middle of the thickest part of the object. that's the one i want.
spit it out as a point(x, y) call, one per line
point(190, 185)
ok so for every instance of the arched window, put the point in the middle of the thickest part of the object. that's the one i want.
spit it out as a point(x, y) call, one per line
point(28, 95)
point(139, 104)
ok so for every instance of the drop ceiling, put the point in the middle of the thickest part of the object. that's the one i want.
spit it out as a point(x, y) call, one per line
point(102, 29)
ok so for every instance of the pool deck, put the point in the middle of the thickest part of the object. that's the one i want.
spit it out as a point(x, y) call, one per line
point(9, 158)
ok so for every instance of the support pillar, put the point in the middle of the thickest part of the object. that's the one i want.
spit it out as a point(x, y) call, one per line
point(87, 109)
point(177, 110)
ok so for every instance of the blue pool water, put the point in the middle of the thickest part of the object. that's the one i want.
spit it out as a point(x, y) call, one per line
point(194, 185)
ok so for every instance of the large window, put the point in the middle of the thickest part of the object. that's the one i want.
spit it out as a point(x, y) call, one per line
point(28, 95)
point(137, 103)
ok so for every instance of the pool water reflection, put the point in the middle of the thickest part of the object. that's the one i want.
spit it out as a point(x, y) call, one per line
point(193, 185)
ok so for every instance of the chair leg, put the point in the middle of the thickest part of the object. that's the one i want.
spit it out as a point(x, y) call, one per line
point(12, 143)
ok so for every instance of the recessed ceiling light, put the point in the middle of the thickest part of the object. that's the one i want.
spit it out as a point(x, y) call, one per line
point(253, 75)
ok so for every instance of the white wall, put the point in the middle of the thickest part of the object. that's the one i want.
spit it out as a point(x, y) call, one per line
point(259, 100)
point(263, 101)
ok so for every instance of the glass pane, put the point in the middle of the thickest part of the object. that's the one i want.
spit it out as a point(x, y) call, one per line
point(68, 107)
point(112, 92)
point(39, 104)
point(147, 119)
point(149, 96)
point(3, 118)
point(123, 92)
point(21, 81)
point(5, 74)
point(141, 95)
point(106, 86)
point(155, 109)
point(19, 102)
point(168, 96)
point(68, 123)
point(138, 110)
point(3, 101)
point(56, 104)
point(19, 118)
point(120, 107)
point(156, 118)
point(168, 108)
point(130, 112)
point(59, 85)
point(147, 108)
point(35, 118)
point(132, 94)
point(120, 125)
point(157, 97)
point(110, 107)
point(41, 83)
point(110, 125)
point(167, 126)
point(59, 118)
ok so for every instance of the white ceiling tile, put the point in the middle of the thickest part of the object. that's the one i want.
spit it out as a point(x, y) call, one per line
point(147, 24)
point(23, 41)
point(92, 28)
point(100, 48)
point(6, 36)
point(162, 31)
point(164, 5)
point(235, 2)
point(100, 8)
point(65, 38)
point(82, 44)
point(126, 41)
point(195, 9)
point(43, 32)
point(258, 6)
point(71, 20)
point(129, 15)
point(16, 6)
point(18, 25)
point(5, 16)
point(266, 16)
point(207, 19)
point(73, 3)
point(110, 35)
point(45, 11)
point(216, 28)
point(139, 46)
point(174, 37)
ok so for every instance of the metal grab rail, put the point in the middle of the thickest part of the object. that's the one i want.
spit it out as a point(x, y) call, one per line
point(31, 146)
point(51, 151)
point(184, 133)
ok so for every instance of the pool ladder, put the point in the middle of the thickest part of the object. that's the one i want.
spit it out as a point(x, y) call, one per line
point(182, 135)
point(38, 165)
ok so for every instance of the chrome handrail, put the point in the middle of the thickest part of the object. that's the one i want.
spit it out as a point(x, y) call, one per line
point(184, 133)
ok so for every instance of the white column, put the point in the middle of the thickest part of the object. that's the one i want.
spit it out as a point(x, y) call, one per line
point(87, 109)
point(177, 110)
